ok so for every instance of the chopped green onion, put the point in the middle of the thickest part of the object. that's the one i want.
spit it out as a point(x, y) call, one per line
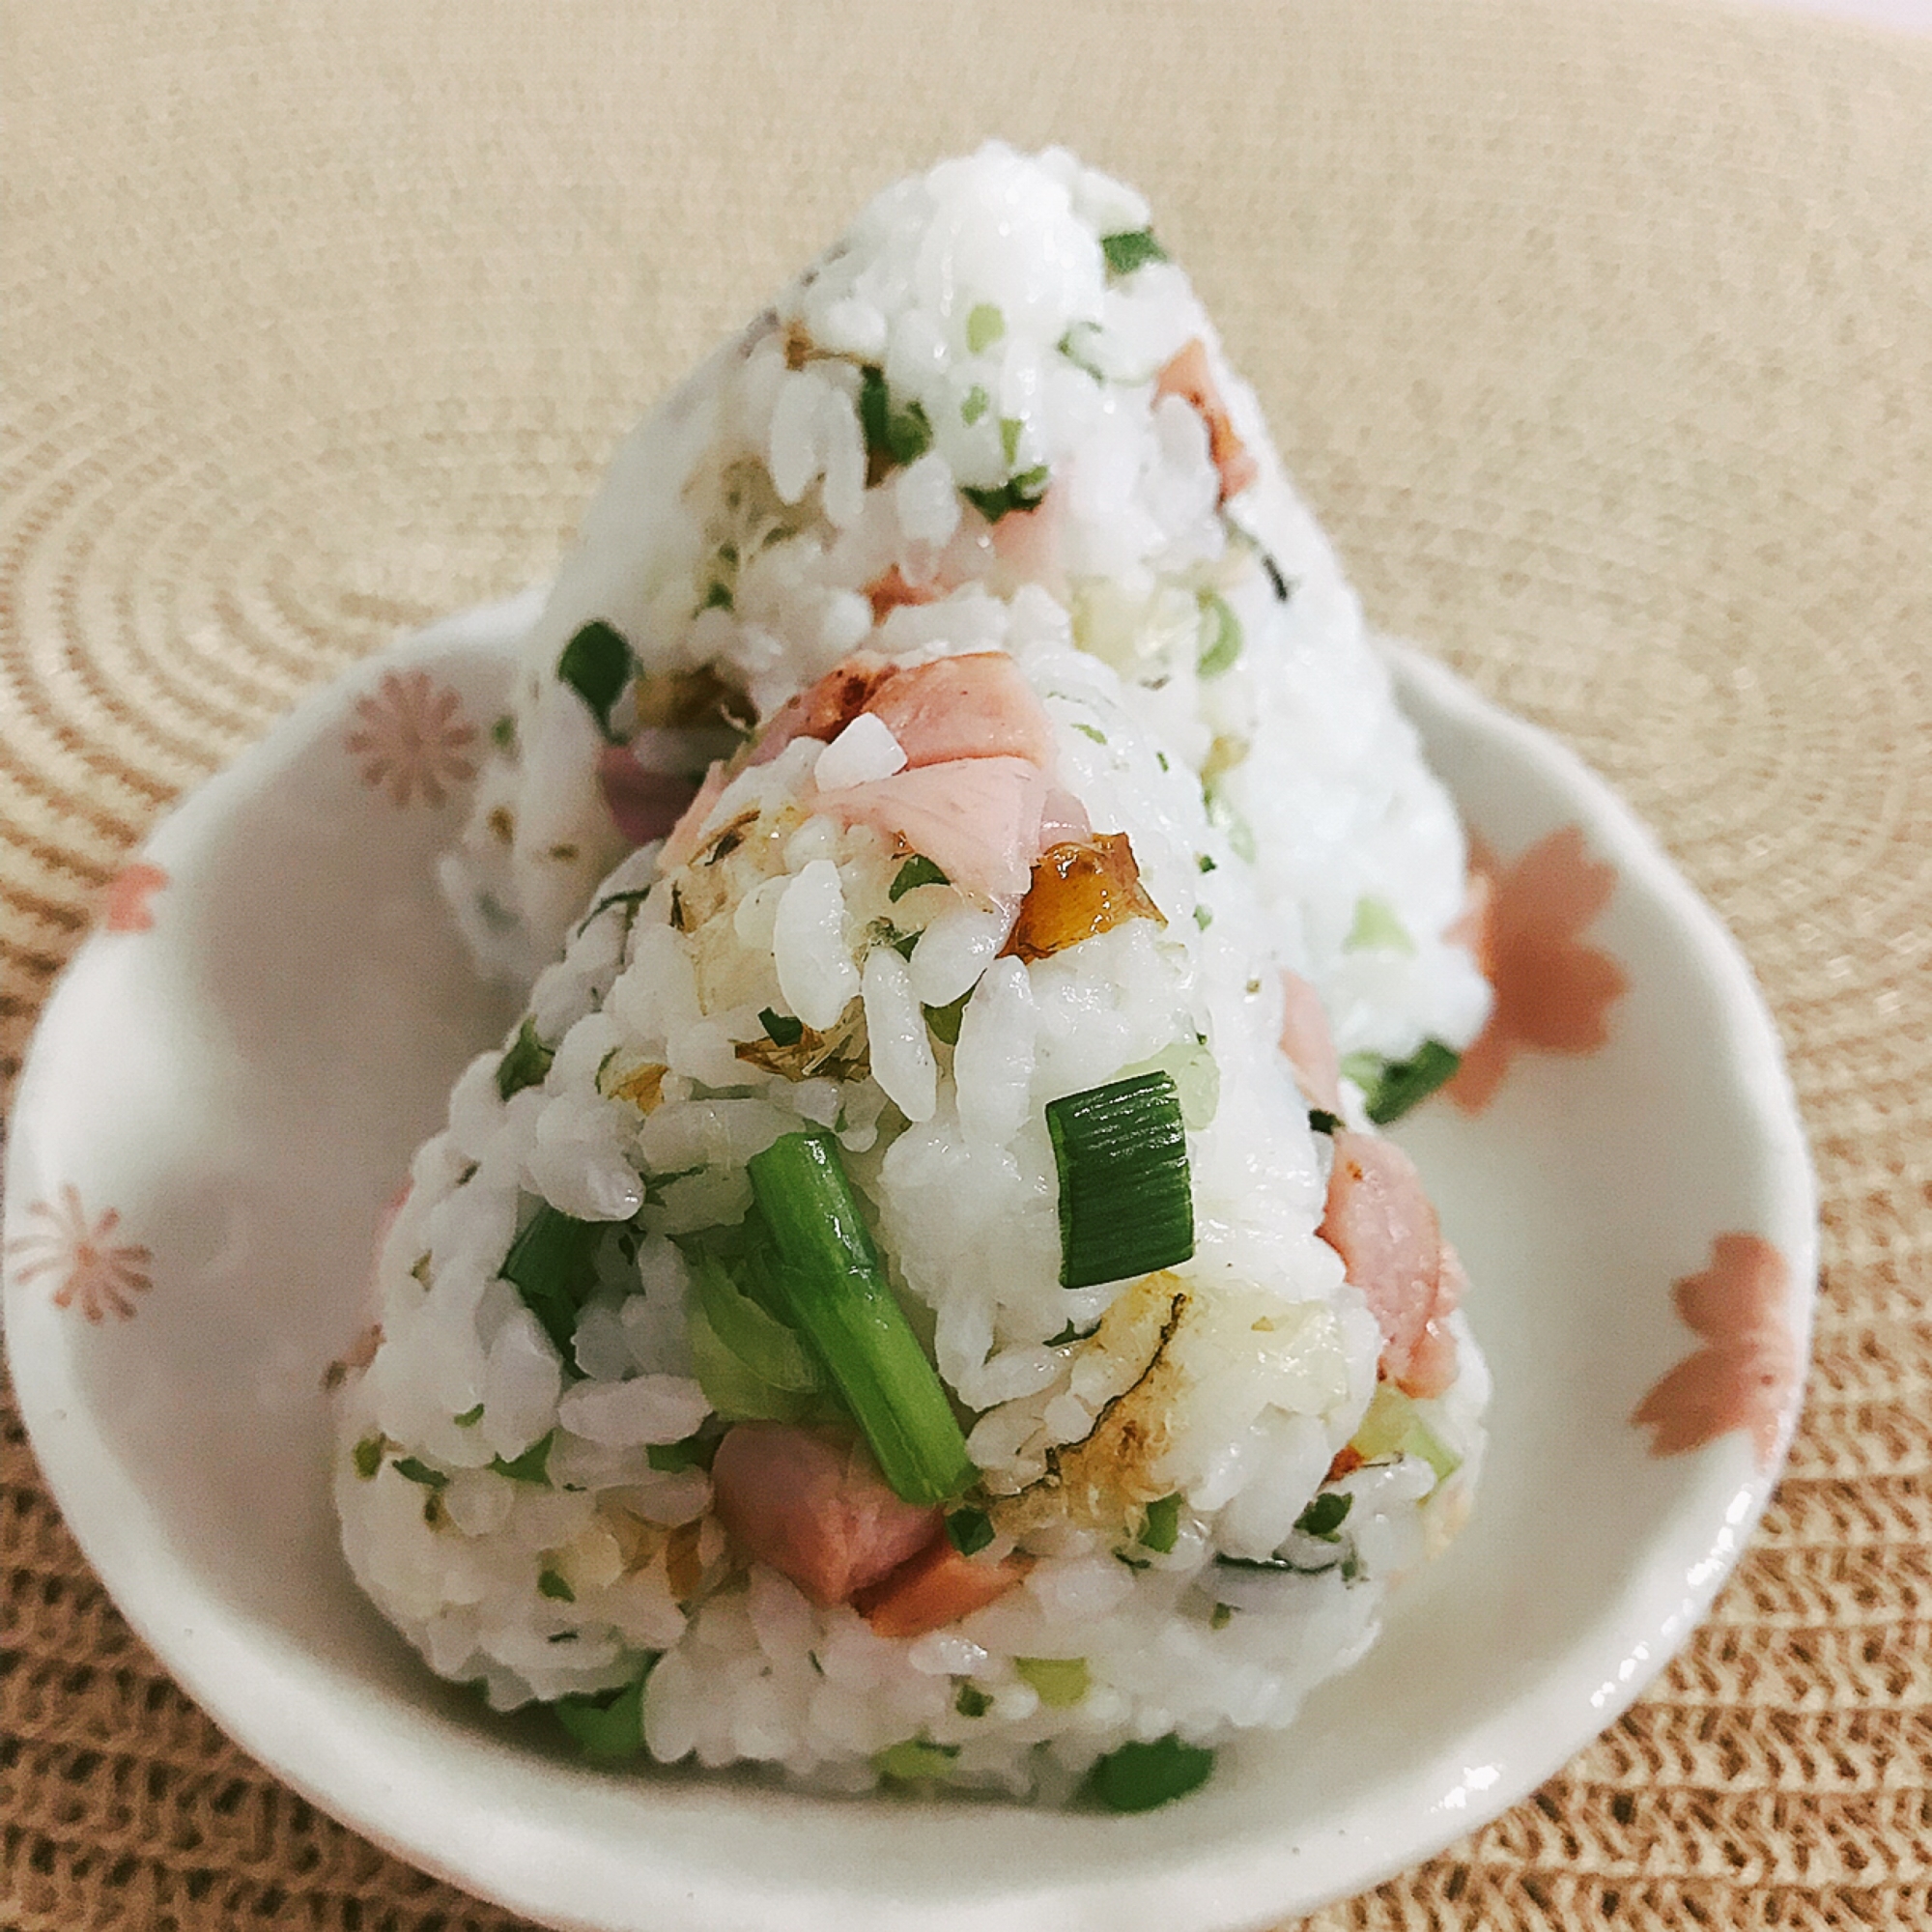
point(1073, 1332)
point(1394, 1427)
point(1077, 346)
point(830, 1276)
point(945, 1020)
point(1127, 1205)
point(1220, 637)
point(596, 665)
point(1024, 492)
point(918, 870)
point(1376, 929)
point(914, 1760)
point(1203, 917)
point(553, 1263)
point(717, 598)
point(1324, 1517)
point(1060, 1682)
point(1161, 1526)
point(470, 1417)
point(1010, 428)
point(969, 1530)
point(368, 1456)
point(524, 1062)
point(1203, 862)
point(781, 1028)
point(891, 436)
point(972, 1702)
point(1137, 1776)
point(1131, 251)
point(1283, 587)
point(975, 405)
point(985, 326)
point(531, 1466)
point(608, 1725)
point(503, 733)
point(1321, 1121)
point(1092, 732)
point(695, 1451)
point(419, 1471)
point(1408, 1083)
point(1223, 1615)
point(551, 1583)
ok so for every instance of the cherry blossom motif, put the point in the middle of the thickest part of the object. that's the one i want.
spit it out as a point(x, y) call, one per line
point(411, 738)
point(91, 1269)
point(1743, 1374)
point(1524, 925)
point(125, 906)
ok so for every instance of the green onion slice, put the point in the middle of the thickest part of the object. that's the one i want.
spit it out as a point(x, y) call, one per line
point(531, 1466)
point(608, 1726)
point(1139, 1777)
point(918, 870)
point(1059, 1682)
point(596, 665)
point(1161, 1526)
point(1404, 1084)
point(1394, 1427)
point(524, 1062)
point(553, 1263)
point(1127, 1204)
point(1131, 251)
point(1324, 1517)
point(1220, 637)
point(829, 1274)
point(969, 1530)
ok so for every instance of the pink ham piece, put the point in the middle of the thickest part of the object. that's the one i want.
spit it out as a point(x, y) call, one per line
point(686, 836)
point(977, 819)
point(1189, 378)
point(936, 1588)
point(976, 706)
point(644, 804)
point(1381, 1223)
point(1308, 1044)
point(815, 1509)
point(824, 710)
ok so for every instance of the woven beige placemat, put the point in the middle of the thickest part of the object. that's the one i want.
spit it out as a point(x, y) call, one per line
point(1600, 334)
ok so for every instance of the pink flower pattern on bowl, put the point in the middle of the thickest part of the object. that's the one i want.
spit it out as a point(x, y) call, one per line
point(91, 1270)
point(125, 906)
point(1553, 992)
point(413, 739)
point(1744, 1376)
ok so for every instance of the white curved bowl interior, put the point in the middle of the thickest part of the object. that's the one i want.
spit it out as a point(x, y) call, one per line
point(244, 1083)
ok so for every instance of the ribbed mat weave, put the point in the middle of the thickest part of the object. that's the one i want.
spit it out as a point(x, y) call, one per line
point(1600, 335)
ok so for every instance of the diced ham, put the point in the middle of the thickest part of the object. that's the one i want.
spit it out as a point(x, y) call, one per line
point(1431, 1362)
point(815, 1509)
point(824, 710)
point(976, 706)
point(1029, 543)
point(889, 592)
point(644, 804)
point(936, 1588)
point(1308, 1044)
point(1189, 378)
point(686, 836)
point(977, 819)
point(1381, 1223)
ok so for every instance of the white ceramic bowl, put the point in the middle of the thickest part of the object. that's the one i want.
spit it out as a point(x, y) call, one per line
point(237, 1066)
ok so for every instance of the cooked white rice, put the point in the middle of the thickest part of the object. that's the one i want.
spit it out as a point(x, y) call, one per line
point(1015, 340)
point(499, 1494)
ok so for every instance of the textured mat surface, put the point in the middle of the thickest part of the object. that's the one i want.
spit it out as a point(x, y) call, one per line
point(1601, 336)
